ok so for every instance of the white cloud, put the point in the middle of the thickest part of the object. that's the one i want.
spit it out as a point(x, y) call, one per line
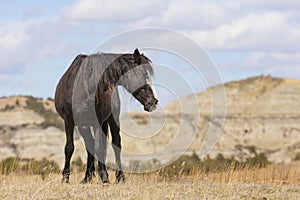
point(271, 4)
point(264, 31)
point(181, 15)
point(12, 45)
point(221, 25)
point(272, 59)
point(24, 44)
point(193, 14)
point(112, 10)
point(282, 64)
point(13, 39)
point(270, 30)
point(215, 24)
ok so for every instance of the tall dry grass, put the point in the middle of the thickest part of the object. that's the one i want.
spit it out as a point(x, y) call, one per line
point(274, 174)
point(272, 182)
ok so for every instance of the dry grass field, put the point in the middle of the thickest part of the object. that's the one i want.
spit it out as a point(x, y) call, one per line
point(272, 182)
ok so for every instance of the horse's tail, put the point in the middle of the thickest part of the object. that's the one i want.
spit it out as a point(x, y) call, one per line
point(67, 81)
point(78, 60)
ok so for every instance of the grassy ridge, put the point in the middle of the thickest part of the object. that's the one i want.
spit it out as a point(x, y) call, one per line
point(183, 166)
point(267, 182)
point(257, 169)
point(150, 186)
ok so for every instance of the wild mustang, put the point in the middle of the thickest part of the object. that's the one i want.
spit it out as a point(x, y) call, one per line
point(87, 96)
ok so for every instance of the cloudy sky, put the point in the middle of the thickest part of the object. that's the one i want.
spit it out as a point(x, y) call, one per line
point(39, 39)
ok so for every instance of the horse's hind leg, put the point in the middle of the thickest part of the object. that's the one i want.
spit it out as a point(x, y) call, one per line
point(89, 142)
point(116, 142)
point(100, 148)
point(69, 149)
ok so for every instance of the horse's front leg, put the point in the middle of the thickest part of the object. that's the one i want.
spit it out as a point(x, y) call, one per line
point(116, 142)
point(100, 148)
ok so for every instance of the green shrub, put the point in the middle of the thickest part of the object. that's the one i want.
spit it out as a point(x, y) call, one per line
point(252, 149)
point(184, 165)
point(50, 118)
point(187, 165)
point(35, 105)
point(258, 161)
point(9, 165)
point(40, 167)
point(8, 107)
point(137, 166)
point(17, 102)
point(28, 166)
point(297, 157)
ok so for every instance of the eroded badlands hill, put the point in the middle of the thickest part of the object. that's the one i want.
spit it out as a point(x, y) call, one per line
point(262, 115)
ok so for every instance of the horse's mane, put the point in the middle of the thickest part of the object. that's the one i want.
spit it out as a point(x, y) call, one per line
point(122, 64)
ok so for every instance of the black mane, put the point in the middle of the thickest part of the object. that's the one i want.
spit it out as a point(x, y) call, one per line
point(122, 64)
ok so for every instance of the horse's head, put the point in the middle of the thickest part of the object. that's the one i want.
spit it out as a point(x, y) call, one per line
point(146, 97)
point(138, 81)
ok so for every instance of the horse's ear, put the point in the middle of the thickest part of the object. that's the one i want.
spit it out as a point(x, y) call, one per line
point(137, 56)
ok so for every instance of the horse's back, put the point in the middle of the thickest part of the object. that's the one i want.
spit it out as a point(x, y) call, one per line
point(80, 83)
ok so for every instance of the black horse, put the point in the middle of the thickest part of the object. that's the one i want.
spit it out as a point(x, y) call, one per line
point(87, 96)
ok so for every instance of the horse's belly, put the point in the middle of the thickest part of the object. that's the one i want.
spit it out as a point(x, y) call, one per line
point(84, 116)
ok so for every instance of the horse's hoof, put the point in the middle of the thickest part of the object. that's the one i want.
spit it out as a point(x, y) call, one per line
point(120, 177)
point(64, 180)
point(104, 176)
point(106, 184)
point(84, 181)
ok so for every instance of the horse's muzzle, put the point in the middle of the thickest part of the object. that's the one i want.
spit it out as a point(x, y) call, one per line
point(151, 106)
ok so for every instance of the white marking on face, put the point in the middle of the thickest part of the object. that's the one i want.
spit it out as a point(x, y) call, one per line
point(149, 81)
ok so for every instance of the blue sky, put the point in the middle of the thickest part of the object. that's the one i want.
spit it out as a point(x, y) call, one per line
point(39, 39)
